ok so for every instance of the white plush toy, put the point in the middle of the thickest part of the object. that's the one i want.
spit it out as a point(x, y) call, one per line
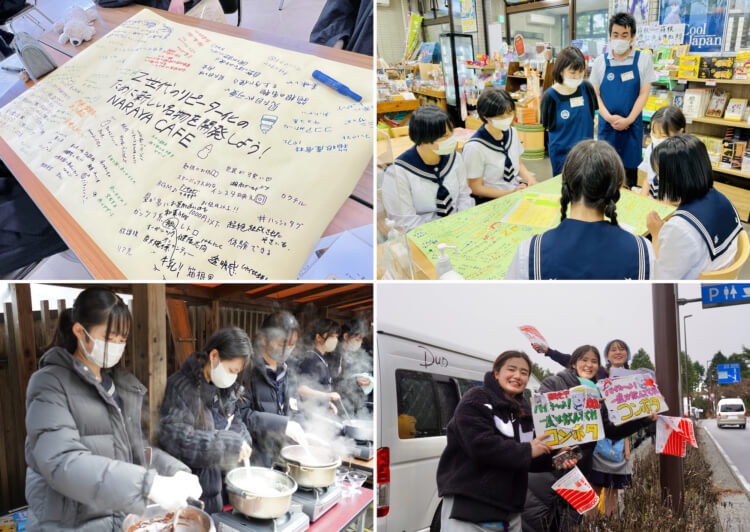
point(77, 27)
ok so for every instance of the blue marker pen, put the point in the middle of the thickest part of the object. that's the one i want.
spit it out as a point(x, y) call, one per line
point(335, 85)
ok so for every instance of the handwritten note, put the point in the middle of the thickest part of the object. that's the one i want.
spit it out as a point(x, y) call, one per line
point(187, 154)
point(486, 238)
point(632, 397)
point(570, 417)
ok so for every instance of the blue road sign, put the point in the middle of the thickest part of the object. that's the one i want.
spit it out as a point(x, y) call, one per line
point(728, 373)
point(722, 295)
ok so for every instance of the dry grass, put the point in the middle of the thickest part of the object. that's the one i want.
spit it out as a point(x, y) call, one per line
point(644, 510)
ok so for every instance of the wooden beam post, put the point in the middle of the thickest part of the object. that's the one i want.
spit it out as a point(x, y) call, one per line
point(182, 334)
point(15, 413)
point(150, 350)
point(23, 329)
point(212, 319)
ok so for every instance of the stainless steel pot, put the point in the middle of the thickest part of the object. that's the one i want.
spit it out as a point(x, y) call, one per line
point(311, 467)
point(190, 520)
point(260, 492)
point(359, 429)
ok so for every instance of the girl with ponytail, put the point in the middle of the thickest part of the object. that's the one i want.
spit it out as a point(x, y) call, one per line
point(86, 456)
point(588, 243)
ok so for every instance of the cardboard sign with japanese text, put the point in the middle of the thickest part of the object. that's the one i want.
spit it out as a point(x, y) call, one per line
point(632, 397)
point(571, 417)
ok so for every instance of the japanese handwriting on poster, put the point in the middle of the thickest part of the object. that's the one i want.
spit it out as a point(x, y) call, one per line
point(631, 397)
point(673, 434)
point(533, 335)
point(570, 417)
point(188, 154)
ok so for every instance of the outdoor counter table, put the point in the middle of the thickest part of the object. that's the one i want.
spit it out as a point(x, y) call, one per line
point(355, 212)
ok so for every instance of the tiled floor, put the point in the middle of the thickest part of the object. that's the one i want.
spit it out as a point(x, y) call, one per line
point(295, 20)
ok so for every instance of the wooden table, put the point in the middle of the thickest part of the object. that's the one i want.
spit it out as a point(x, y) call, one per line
point(356, 210)
point(502, 206)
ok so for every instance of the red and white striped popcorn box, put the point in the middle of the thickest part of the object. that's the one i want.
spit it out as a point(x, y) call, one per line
point(575, 489)
point(673, 434)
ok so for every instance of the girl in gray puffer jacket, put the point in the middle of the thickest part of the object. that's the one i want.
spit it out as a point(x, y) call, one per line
point(85, 452)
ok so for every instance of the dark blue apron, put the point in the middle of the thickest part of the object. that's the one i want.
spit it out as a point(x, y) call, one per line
point(572, 125)
point(588, 250)
point(715, 219)
point(619, 97)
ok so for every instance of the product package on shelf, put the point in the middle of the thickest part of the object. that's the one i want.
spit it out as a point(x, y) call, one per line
point(732, 156)
point(735, 109)
point(717, 104)
point(745, 168)
point(716, 68)
point(689, 66)
point(742, 66)
point(696, 102)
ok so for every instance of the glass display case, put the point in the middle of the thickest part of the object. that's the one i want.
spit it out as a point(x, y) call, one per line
point(456, 48)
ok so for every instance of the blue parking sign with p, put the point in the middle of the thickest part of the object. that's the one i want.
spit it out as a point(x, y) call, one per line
point(722, 295)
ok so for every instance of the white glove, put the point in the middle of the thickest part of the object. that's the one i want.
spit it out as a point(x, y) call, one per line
point(245, 452)
point(295, 432)
point(172, 493)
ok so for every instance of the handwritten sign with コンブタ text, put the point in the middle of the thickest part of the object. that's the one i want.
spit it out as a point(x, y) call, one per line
point(187, 154)
point(631, 397)
point(570, 417)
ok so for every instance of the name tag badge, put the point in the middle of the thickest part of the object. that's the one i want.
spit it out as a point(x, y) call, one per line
point(627, 76)
point(577, 101)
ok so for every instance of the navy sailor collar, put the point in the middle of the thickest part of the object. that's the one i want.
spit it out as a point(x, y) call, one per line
point(715, 219)
point(411, 161)
point(484, 137)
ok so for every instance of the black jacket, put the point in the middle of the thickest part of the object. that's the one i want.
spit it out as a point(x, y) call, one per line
point(266, 407)
point(192, 424)
point(346, 20)
point(482, 463)
point(544, 509)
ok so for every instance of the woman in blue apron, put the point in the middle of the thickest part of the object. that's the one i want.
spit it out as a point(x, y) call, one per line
point(585, 245)
point(622, 78)
point(568, 107)
point(701, 235)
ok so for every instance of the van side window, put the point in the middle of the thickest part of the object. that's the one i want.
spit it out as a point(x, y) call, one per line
point(426, 402)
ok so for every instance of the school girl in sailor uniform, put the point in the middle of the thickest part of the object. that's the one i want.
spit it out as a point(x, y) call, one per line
point(493, 154)
point(568, 107)
point(701, 235)
point(585, 245)
point(667, 121)
point(427, 181)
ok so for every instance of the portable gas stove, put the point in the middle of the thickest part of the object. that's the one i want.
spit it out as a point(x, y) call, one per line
point(232, 521)
point(317, 501)
point(364, 450)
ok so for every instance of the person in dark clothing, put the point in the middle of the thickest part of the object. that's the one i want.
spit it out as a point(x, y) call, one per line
point(345, 24)
point(545, 510)
point(199, 421)
point(482, 473)
point(351, 367)
point(268, 402)
point(85, 453)
point(175, 6)
point(315, 381)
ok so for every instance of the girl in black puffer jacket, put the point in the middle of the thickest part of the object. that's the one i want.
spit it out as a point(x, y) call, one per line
point(482, 474)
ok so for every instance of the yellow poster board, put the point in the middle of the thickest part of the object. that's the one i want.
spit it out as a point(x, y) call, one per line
point(187, 154)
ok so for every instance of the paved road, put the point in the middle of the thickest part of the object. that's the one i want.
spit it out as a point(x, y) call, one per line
point(736, 444)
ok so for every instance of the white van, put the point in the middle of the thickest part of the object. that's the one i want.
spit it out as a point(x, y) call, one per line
point(731, 412)
point(420, 382)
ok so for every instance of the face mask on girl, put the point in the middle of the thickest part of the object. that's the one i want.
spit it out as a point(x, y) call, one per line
point(97, 356)
point(330, 344)
point(447, 146)
point(572, 83)
point(281, 355)
point(502, 123)
point(221, 377)
point(354, 345)
point(655, 141)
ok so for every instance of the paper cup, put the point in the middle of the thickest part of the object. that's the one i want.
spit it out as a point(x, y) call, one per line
point(575, 489)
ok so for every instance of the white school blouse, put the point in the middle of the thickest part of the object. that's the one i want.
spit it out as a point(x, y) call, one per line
point(409, 199)
point(484, 159)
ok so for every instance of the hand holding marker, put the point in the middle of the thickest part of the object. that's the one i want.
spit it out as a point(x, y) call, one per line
point(335, 85)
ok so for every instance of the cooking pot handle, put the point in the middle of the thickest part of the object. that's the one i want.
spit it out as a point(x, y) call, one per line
point(197, 503)
point(242, 493)
point(280, 466)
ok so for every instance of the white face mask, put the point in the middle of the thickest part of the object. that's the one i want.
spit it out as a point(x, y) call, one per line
point(281, 355)
point(656, 141)
point(331, 344)
point(114, 352)
point(354, 345)
point(502, 124)
point(445, 147)
point(572, 83)
point(221, 377)
point(619, 46)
